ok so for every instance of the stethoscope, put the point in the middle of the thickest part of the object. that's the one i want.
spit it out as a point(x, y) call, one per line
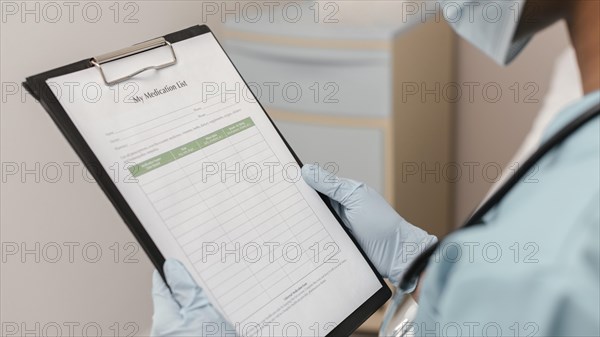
point(395, 321)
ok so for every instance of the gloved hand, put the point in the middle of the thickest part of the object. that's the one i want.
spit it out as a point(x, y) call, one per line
point(389, 241)
point(186, 311)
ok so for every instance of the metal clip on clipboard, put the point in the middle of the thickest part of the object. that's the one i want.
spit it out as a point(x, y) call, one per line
point(141, 47)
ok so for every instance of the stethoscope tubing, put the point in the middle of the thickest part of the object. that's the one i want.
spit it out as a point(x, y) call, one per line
point(420, 263)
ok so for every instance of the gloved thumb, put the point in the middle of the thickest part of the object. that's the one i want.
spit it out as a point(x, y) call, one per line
point(185, 291)
point(323, 181)
point(165, 307)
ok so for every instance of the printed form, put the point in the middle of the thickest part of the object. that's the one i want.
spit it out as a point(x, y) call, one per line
point(215, 186)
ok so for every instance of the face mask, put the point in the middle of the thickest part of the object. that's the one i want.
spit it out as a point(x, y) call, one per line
point(489, 25)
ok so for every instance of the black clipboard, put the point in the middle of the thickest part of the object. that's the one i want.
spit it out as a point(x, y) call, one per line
point(36, 85)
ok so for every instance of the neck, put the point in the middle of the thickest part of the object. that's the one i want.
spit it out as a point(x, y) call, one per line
point(584, 29)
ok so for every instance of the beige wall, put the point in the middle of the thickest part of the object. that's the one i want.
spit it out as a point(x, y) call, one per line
point(71, 210)
point(488, 133)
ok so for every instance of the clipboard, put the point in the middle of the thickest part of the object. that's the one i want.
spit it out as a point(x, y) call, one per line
point(37, 86)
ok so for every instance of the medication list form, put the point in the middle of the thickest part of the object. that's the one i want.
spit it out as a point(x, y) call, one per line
point(215, 187)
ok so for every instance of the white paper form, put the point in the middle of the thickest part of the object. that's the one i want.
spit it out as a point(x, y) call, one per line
point(214, 185)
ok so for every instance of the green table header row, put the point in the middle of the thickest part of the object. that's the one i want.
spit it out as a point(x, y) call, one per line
point(189, 148)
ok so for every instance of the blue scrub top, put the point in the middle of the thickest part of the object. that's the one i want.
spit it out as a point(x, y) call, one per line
point(533, 269)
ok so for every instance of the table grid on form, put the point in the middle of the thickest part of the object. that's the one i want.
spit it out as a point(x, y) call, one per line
point(248, 204)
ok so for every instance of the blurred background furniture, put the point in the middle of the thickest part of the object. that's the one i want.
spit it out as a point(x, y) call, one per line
point(339, 95)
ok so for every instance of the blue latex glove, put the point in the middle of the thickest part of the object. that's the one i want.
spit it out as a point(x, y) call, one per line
point(389, 241)
point(186, 311)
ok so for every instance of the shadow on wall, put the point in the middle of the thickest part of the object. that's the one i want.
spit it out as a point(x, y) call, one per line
point(490, 128)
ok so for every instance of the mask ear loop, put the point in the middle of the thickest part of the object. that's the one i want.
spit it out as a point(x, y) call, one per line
point(420, 263)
